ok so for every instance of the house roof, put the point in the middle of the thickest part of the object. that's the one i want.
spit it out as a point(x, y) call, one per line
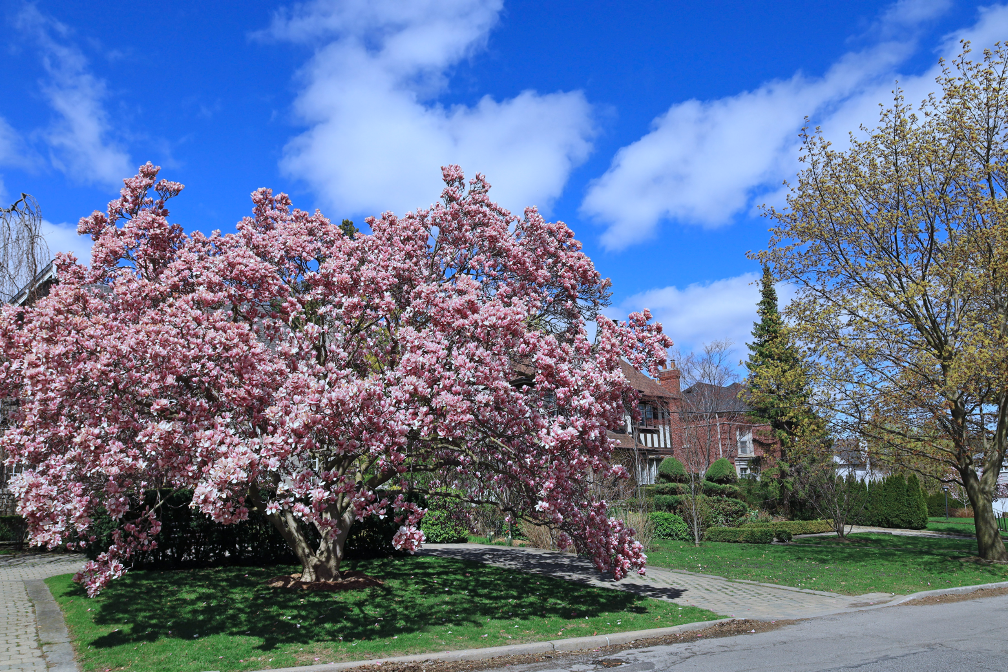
point(622, 439)
point(646, 386)
point(707, 398)
point(37, 287)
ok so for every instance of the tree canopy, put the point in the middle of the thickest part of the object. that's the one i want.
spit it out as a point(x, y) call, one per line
point(898, 249)
point(320, 375)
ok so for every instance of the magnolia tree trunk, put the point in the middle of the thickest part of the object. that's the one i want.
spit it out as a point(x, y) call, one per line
point(321, 563)
point(980, 491)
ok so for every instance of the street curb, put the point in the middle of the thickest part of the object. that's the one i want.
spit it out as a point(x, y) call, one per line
point(589, 643)
point(532, 648)
point(52, 630)
point(959, 590)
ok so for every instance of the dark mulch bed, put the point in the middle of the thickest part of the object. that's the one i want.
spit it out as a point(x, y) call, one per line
point(349, 580)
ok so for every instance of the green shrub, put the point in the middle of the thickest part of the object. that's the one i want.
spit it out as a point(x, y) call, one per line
point(936, 504)
point(725, 512)
point(443, 526)
point(740, 535)
point(713, 511)
point(782, 535)
point(795, 527)
point(13, 528)
point(670, 526)
point(671, 471)
point(721, 472)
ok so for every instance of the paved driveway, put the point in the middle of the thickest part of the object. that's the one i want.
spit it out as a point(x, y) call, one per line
point(741, 599)
point(19, 643)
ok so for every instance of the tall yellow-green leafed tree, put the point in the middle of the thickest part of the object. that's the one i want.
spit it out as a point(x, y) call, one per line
point(898, 247)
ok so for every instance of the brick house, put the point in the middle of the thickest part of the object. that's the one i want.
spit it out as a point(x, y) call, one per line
point(708, 418)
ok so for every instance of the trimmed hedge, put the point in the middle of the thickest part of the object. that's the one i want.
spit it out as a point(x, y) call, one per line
point(740, 535)
point(721, 472)
point(671, 470)
point(895, 502)
point(707, 488)
point(670, 503)
point(670, 526)
point(796, 527)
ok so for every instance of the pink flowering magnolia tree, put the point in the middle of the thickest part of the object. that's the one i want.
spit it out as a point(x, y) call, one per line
point(297, 370)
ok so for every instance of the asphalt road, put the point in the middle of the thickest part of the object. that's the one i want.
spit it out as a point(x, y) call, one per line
point(970, 635)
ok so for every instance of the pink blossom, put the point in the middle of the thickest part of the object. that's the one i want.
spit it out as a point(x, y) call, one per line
point(317, 377)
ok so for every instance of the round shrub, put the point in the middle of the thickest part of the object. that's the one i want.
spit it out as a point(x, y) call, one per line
point(672, 470)
point(725, 512)
point(670, 526)
point(783, 536)
point(721, 472)
point(441, 527)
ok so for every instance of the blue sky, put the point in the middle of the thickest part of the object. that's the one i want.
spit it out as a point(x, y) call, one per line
point(654, 130)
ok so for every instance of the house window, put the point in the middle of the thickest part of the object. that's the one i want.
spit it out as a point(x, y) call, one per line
point(744, 438)
point(648, 471)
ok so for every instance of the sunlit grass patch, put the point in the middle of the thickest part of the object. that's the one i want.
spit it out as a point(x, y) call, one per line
point(863, 563)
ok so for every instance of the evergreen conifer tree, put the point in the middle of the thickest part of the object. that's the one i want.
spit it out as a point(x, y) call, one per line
point(777, 381)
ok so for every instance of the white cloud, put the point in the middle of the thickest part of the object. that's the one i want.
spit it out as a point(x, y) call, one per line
point(11, 145)
point(79, 139)
point(377, 136)
point(701, 313)
point(13, 153)
point(63, 238)
point(704, 162)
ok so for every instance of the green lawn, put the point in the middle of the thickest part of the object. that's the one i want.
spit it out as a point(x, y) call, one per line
point(955, 525)
point(226, 619)
point(864, 563)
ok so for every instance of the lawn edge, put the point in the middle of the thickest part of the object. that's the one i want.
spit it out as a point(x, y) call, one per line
point(569, 644)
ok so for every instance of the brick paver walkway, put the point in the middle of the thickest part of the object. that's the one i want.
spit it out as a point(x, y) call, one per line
point(19, 643)
point(742, 599)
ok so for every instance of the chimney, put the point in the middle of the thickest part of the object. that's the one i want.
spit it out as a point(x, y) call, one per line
point(669, 379)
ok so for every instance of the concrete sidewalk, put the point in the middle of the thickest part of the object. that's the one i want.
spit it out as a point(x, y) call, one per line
point(20, 641)
point(895, 531)
point(738, 598)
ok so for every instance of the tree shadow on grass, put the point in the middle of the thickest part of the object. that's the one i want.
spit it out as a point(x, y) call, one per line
point(418, 593)
point(553, 564)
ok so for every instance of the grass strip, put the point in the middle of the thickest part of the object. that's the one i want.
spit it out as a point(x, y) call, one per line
point(226, 619)
point(863, 563)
